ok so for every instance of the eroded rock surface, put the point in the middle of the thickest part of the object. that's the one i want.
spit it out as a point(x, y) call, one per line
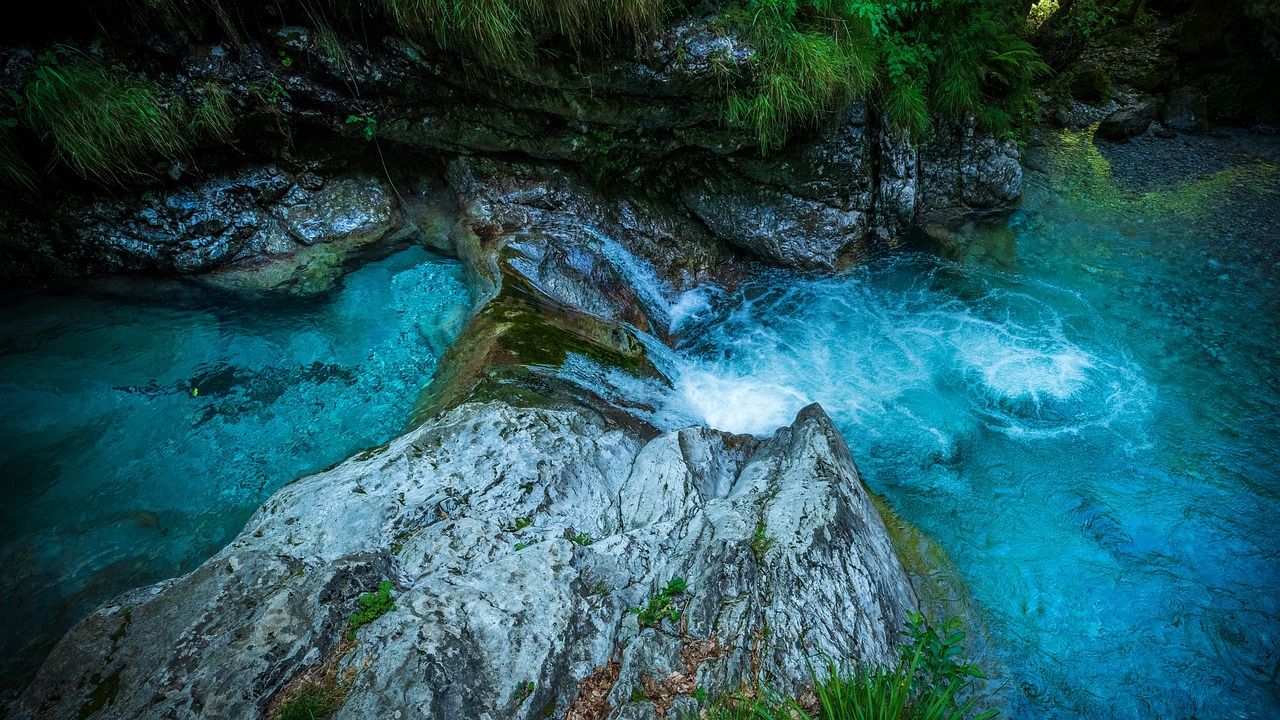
point(523, 520)
point(249, 215)
point(472, 516)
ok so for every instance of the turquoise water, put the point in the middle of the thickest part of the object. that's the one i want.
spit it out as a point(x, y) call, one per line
point(1081, 407)
point(143, 422)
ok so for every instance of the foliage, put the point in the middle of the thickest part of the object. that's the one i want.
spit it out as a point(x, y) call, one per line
point(372, 606)
point(212, 116)
point(761, 541)
point(929, 682)
point(314, 702)
point(661, 605)
point(14, 171)
point(102, 124)
point(915, 61)
point(582, 539)
point(523, 690)
point(504, 31)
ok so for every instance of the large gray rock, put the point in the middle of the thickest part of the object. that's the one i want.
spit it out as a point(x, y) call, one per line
point(246, 216)
point(442, 512)
point(823, 202)
point(1129, 121)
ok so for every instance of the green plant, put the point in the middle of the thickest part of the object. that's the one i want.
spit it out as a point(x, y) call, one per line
point(522, 545)
point(929, 682)
point(14, 171)
point(520, 523)
point(314, 702)
point(523, 690)
point(369, 124)
point(271, 91)
point(601, 589)
point(582, 539)
point(761, 541)
point(102, 124)
point(372, 606)
point(503, 32)
point(637, 695)
point(661, 605)
point(212, 117)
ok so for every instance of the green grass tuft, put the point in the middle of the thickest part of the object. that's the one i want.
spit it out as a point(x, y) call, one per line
point(103, 125)
point(14, 171)
point(313, 703)
point(929, 682)
point(212, 117)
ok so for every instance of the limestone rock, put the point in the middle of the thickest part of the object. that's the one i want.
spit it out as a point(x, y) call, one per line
point(249, 215)
point(470, 517)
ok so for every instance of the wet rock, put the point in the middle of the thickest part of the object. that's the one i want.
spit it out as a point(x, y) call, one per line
point(243, 217)
point(442, 511)
point(823, 202)
point(620, 256)
point(1128, 121)
point(775, 225)
point(1185, 110)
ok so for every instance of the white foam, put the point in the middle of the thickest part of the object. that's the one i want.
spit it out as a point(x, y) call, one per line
point(742, 405)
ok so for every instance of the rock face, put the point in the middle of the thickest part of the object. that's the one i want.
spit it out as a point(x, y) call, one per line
point(523, 520)
point(1185, 110)
point(825, 201)
point(251, 214)
point(472, 517)
point(648, 117)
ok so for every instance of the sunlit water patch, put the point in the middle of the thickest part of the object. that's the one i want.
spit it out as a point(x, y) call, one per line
point(1080, 406)
point(142, 423)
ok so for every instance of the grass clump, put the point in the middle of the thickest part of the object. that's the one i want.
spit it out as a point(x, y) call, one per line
point(103, 125)
point(662, 606)
point(929, 682)
point(212, 117)
point(373, 605)
point(915, 63)
point(314, 702)
point(504, 31)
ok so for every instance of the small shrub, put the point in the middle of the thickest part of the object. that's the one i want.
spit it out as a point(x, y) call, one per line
point(523, 690)
point(582, 539)
point(373, 605)
point(661, 605)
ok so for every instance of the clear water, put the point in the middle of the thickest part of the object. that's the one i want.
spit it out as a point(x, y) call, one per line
point(1082, 408)
point(141, 423)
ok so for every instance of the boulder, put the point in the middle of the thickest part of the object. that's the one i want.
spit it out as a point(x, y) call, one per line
point(1129, 121)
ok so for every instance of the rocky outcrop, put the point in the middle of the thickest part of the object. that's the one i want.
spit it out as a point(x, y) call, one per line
point(518, 540)
point(825, 201)
point(245, 217)
point(650, 116)
point(524, 521)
